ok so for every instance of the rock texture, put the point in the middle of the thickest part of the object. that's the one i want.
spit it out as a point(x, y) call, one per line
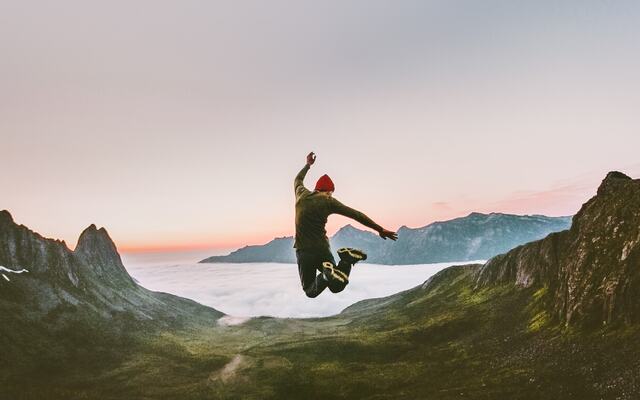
point(591, 272)
point(474, 237)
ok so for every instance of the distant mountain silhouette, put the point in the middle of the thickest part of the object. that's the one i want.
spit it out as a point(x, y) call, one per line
point(474, 237)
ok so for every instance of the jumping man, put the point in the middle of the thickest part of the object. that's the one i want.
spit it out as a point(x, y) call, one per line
point(312, 245)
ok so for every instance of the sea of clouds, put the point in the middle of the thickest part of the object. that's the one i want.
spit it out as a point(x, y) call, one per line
point(249, 290)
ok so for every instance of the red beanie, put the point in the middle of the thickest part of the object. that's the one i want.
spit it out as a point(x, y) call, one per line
point(325, 184)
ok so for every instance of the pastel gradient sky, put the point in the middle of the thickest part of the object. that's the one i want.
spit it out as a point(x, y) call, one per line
point(182, 124)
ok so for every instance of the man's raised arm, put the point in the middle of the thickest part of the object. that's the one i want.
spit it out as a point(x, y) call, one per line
point(298, 182)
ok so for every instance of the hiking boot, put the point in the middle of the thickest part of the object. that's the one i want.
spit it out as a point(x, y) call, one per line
point(332, 274)
point(351, 255)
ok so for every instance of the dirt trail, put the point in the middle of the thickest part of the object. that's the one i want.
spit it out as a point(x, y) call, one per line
point(228, 372)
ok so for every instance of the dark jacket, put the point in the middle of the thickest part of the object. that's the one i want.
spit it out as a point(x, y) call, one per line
point(312, 210)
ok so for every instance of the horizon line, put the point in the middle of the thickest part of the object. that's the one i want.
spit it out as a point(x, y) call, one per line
point(188, 247)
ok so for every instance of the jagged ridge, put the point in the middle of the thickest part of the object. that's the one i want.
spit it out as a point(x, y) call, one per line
point(474, 237)
point(89, 280)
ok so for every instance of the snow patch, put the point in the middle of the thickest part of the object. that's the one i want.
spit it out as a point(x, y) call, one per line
point(4, 269)
point(12, 270)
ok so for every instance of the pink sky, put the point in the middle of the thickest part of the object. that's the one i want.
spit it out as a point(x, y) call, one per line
point(182, 125)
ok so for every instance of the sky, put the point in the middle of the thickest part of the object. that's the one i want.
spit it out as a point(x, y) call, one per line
point(180, 125)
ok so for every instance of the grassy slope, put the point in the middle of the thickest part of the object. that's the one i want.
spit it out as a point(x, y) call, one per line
point(447, 341)
point(451, 342)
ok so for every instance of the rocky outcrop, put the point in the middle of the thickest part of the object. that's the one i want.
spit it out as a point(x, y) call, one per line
point(20, 246)
point(592, 271)
point(474, 237)
point(96, 249)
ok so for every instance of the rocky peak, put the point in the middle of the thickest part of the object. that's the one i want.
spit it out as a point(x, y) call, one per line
point(5, 216)
point(347, 231)
point(612, 181)
point(348, 228)
point(591, 271)
point(97, 250)
point(350, 233)
point(92, 237)
point(476, 215)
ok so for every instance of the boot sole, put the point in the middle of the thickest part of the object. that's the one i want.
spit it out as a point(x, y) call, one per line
point(335, 273)
point(356, 255)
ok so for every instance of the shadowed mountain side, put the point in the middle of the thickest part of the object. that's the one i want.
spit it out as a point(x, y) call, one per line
point(76, 308)
point(91, 278)
point(474, 237)
point(592, 271)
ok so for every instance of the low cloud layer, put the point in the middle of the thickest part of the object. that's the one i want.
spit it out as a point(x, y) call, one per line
point(248, 290)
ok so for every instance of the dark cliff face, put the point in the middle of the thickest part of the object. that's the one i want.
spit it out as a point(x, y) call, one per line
point(23, 248)
point(592, 271)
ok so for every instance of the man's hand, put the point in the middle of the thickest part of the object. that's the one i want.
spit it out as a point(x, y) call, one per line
point(311, 158)
point(385, 234)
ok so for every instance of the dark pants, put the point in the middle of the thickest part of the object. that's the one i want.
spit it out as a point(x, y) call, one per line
point(310, 270)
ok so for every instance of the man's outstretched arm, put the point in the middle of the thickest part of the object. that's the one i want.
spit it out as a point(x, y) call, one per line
point(298, 182)
point(339, 208)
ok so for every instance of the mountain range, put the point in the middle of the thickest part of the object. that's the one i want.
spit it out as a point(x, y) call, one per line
point(474, 237)
point(555, 318)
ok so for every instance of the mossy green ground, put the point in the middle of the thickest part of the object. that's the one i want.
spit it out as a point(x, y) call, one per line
point(447, 341)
